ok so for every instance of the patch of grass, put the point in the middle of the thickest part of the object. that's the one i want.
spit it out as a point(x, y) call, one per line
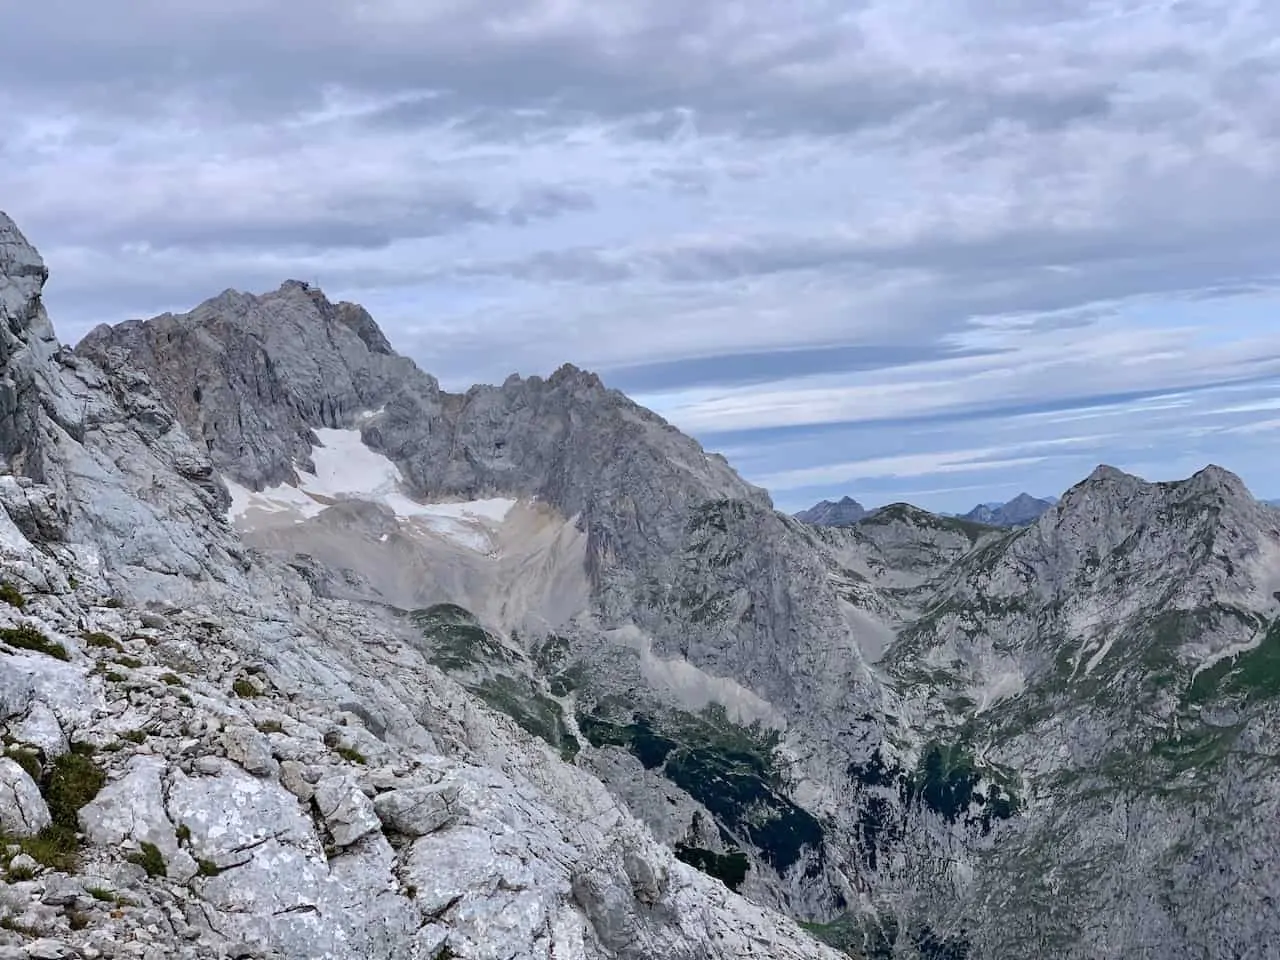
point(183, 833)
point(26, 637)
point(568, 680)
point(134, 736)
point(639, 737)
point(102, 640)
point(112, 677)
point(73, 780)
point(728, 768)
point(14, 926)
point(535, 713)
point(150, 859)
point(207, 868)
point(19, 874)
point(11, 595)
point(101, 894)
point(569, 747)
point(843, 933)
point(54, 847)
point(457, 639)
point(243, 688)
point(916, 517)
point(1252, 675)
point(271, 726)
point(948, 783)
point(113, 603)
point(551, 653)
point(1196, 749)
point(171, 679)
point(350, 754)
point(133, 663)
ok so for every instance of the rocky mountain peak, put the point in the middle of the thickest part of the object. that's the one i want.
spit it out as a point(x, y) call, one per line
point(252, 376)
point(1112, 490)
point(833, 513)
point(22, 272)
point(207, 756)
point(1214, 480)
point(569, 375)
point(1020, 511)
point(30, 393)
point(1104, 484)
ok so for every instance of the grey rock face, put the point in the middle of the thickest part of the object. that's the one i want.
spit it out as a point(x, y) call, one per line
point(23, 812)
point(250, 376)
point(651, 504)
point(246, 727)
point(416, 812)
point(833, 513)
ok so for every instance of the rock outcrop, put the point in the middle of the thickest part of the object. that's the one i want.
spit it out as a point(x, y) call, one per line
point(210, 738)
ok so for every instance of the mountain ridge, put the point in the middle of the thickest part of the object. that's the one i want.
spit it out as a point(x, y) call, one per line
point(846, 511)
point(912, 732)
point(261, 770)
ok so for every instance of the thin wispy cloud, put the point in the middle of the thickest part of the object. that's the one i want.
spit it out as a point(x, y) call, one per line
point(816, 234)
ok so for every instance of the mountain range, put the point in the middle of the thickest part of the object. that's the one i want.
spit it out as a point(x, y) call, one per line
point(1020, 511)
point(302, 656)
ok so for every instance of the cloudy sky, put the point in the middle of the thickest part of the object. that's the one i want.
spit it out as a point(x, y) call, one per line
point(938, 250)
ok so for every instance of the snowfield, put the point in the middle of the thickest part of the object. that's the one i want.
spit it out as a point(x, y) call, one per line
point(346, 469)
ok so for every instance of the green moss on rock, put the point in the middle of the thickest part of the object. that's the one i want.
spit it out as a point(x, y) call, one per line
point(26, 637)
point(11, 595)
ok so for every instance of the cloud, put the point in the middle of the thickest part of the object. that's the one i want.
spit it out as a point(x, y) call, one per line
point(861, 218)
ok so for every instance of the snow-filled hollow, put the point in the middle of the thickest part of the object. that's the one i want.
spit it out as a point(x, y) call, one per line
point(346, 469)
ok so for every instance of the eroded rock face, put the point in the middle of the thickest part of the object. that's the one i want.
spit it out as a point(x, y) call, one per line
point(703, 590)
point(246, 729)
point(23, 812)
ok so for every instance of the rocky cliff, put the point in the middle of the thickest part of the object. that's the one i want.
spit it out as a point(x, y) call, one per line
point(206, 757)
point(358, 667)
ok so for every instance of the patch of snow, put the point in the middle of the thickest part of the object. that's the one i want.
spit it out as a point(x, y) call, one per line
point(346, 469)
point(280, 499)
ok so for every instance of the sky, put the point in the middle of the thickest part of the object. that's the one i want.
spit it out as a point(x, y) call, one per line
point(932, 250)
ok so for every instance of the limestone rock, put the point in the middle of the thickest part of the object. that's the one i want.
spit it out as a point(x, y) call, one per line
point(347, 812)
point(251, 750)
point(23, 812)
point(417, 811)
point(915, 732)
point(131, 810)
